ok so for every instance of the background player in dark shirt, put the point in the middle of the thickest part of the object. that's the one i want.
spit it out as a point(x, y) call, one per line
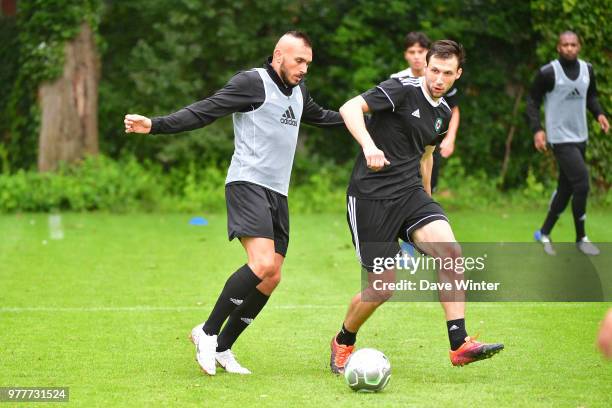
point(386, 200)
point(268, 104)
point(567, 86)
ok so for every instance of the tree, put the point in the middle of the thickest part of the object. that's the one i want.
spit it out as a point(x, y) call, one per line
point(55, 91)
point(69, 105)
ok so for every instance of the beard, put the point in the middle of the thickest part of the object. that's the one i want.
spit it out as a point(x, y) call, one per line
point(284, 75)
point(435, 93)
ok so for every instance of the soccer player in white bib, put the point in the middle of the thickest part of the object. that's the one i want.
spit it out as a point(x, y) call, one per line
point(268, 105)
point(567, 87)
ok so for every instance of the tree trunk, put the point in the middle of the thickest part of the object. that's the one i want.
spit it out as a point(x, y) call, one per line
point(9, 7)
point(506, 161)
point(69, 106)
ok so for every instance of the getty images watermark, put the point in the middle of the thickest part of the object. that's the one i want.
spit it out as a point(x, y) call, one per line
point(412, 264)
point(486, 272)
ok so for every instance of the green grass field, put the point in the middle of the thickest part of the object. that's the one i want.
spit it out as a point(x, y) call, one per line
point(106, 311)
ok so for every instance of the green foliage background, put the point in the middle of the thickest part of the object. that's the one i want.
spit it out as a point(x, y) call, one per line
point(160, 55)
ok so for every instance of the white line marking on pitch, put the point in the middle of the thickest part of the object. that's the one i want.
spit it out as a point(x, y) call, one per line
point(141, 308)
point(145, 308)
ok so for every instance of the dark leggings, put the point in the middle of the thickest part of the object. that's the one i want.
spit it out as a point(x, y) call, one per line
point(573, 182)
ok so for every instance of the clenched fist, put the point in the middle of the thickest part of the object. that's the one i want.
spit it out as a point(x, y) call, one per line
point(375, 158)
point(539, 140)
point(137, 124)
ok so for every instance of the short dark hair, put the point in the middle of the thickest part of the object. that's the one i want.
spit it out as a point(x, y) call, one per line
point(446, 49)
point(416, 37)
point(301, 35)
point(570, 32)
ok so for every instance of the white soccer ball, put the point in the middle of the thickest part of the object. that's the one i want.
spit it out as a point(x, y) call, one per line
point(367, 370)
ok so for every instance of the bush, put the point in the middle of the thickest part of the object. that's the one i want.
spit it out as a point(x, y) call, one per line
point(317, 186)
point(95, 184)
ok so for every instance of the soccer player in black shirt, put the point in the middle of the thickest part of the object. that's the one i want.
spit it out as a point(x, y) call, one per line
point(386, 199)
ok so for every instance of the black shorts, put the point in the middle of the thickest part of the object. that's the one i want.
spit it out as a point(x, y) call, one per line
point(376, 225)
point(256, 211)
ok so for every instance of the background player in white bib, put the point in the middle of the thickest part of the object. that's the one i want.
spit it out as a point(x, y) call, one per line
point(268, 105)
point(416, 45)
point(567, 86)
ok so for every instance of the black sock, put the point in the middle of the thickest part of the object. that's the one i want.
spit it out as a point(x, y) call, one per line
point(346, 337)
point(240, 319)
point(236, 289)
point(456, 333)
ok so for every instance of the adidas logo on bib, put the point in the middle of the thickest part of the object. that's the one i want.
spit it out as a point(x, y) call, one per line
point(575, 94)
point(288, 117)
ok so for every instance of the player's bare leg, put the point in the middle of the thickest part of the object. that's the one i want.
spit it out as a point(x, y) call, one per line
point(362, 306)
point(437, 240)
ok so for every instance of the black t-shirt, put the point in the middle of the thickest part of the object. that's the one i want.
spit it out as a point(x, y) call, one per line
point(404, 121)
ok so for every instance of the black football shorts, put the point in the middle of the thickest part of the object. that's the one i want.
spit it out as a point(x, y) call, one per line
point(256, 211)
point(377, 224)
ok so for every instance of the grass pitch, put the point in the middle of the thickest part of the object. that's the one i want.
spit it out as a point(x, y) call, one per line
point(106, 311)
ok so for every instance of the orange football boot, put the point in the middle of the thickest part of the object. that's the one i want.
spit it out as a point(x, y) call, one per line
point(472, 351)
point(339, 354)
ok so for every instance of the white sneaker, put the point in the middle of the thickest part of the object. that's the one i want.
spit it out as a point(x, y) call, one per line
point(206, 347)
point(195, 333)
point(587, 247)
point(227, 360)
point(545, 241)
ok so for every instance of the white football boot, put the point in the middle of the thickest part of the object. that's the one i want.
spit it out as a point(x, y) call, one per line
point(587, 247)
point(206, 348)
point(227, 360)
point(545, 241)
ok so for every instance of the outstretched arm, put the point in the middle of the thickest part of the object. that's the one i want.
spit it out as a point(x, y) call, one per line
point(243, 92)
point(352, 113)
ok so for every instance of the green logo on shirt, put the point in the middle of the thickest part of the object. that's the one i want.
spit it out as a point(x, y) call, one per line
point(438, 124)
